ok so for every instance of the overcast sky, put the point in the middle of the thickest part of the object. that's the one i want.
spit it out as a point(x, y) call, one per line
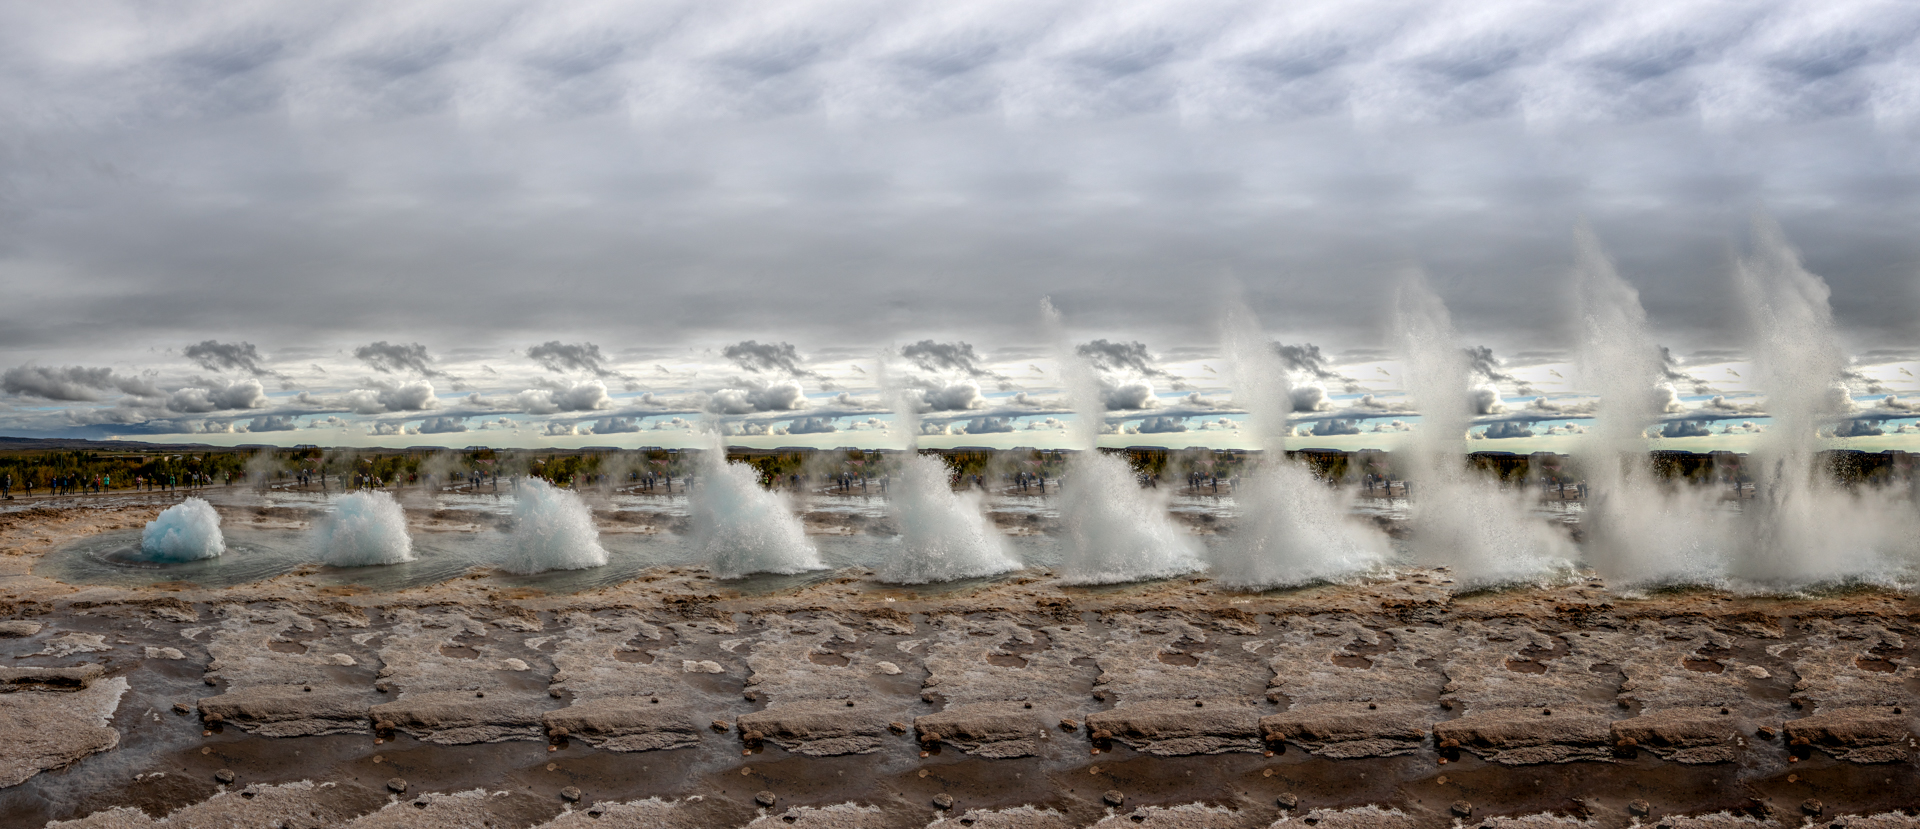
point(286, 185)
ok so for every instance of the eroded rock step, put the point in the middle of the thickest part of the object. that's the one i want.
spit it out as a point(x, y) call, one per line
point(862, 717)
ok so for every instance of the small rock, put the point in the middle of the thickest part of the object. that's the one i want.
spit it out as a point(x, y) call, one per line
point(1756, 672)
point(516, 664)
point(165, 653)
point(558, 732)
point(1813, 806)
point(887, 668)
point(1288, 800)
point(223, 776)
point(397, 786)
point(341, 659)
point(753, 736)
point(18, 627)
point(1069, 724)
point(722, 726)
point(1462, 808)
point(1113, 797)
point(943, 800)
point(704, 666)
point(1640, 808)
point(182, 708)
point(571, 794)
point(765, 799)
point(897, 727)
point(1102, 735)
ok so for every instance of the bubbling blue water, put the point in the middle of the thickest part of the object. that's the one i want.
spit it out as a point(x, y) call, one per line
point(187, 531)
point(367, 528)
point(552, 530)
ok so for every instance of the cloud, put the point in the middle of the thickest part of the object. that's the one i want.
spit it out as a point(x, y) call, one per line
point(1566, 429)
point(1507, 429)
point(219, 356)
point(1306, 358)
point(386, 429)
point(937, 357)
point(240, 394)
point(1485, 400)
point(1684, 429)
point(556, 429)
point(1393, 426)
point(957, 397)
point(1128, 356)
point(1858, 429)
point(1335, 426)
point(1480, 360)
point(559, 357)
point(417, 396)
point(1311, 397)
point(442, 425)
point(812, 426)
point(585, 396)
point(1129, 396)
point(72, 383)
point(1047, 423)
point(782, 396)
point(989, 425)
point(771, 357)
point(272, 423)
point(616, 425)
point(1162, 425)
point(393, 358)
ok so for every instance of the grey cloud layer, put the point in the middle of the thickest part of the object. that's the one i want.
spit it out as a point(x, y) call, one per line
point(335, 179)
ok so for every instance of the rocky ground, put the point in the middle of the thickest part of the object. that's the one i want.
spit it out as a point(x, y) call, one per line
point(674, 701)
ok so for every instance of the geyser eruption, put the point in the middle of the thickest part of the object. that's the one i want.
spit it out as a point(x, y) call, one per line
point(1118, 531)
point(1637, 531)
point(552, 530)
point(366, 528)
point(1460, 518)
point(741, 528)
point(1293, 529)
point(947, 535)
point(187, 531)
point(1803, 529)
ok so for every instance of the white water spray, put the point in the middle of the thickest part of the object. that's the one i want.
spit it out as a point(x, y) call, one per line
point(187, 531)
point(1294, 529)
point(552, 530)
point(366, 528)
point(1460, 518)
point(946, 534)
point(1119, 532)
point(741, 528)
point(1637, 530)
point(1802, 528)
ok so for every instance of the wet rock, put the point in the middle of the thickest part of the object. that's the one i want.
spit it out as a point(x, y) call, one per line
point(1461, 808)
point(1287, 800)
point(73, 678)
point(1351, 729)
point(1639, 808)
point(462, 717)
point(72, 643)
point(766, 799)
point(818, 728)
point(1859, 735)
point(987, 729)
point(1683, 735)
point(289, 710)
point(15, 628)
point(1113, 797)
point(627, 724)
point(703, 666)
point(397, 785)
point(1525, 736)
point(182, 708)
point(164, 653)
point(943, 801)
point(1176, 727)
point(571, 794)
point(224, 777)
point(1812, 806)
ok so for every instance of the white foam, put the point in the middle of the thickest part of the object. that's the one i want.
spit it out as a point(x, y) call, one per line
point(187, 531)
point(946, 534)
point(552, 530)
point(366, 528)
point(741, 528)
